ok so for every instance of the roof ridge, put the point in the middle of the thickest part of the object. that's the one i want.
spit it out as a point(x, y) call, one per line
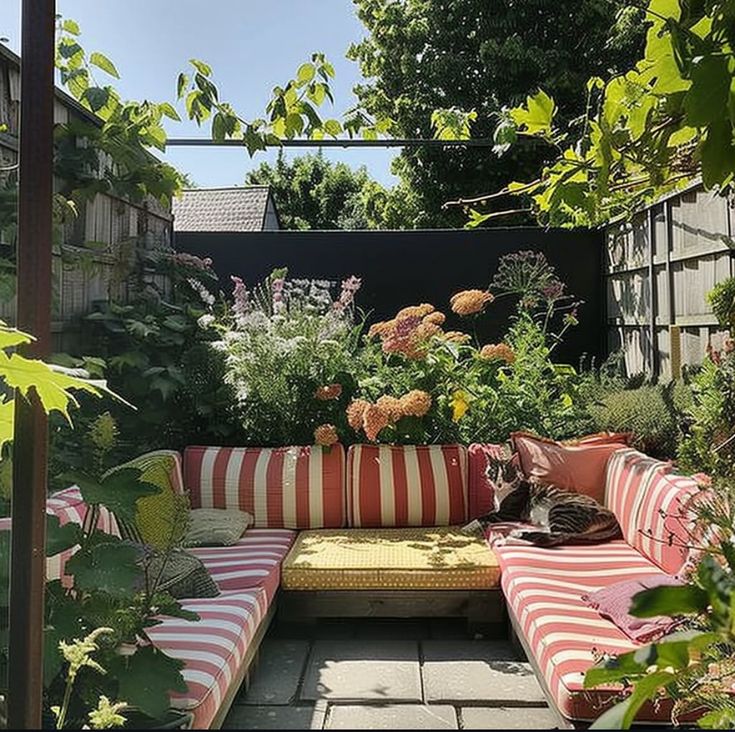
point(226, 188)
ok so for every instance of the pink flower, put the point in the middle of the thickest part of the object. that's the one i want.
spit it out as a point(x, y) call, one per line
point(240, 296)
point(703, 480)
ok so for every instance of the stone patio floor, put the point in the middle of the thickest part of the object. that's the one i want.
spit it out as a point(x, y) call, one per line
point(384, 674)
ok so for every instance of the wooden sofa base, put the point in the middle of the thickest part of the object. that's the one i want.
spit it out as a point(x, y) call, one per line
point(479, 607)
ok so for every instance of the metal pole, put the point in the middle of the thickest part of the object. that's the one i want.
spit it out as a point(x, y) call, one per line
point(28, 562)
point(481, 142)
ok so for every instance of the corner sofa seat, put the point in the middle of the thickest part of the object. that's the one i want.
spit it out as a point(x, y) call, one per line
point(544, 588)
point(215, 650)
point(253, 562)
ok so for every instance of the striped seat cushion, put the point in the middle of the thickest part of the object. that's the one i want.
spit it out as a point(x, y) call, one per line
point(405, 485)
point(254, 561)
point(212, 649)
point(652, 506)
point(544, 589)
point(281, 487)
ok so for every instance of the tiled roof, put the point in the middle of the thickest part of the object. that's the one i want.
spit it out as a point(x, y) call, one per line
point(221, 209)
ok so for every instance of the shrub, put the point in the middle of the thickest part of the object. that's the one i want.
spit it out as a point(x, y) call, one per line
point(722, 300)
point(646, 412)
point(283, 345)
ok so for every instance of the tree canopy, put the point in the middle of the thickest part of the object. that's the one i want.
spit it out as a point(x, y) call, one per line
point(312, 192)
point(424, 55)
point(649, 131)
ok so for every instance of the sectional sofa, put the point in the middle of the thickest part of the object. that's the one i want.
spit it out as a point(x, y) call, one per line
point(375, 531)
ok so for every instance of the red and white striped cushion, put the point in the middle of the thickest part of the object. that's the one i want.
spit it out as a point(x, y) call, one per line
point(651, 504)
point(406, 485)
point(213, 648)
point(543, 589)
point(481, 488)
point(254, 561)
point(281, 487)
point(69, 506)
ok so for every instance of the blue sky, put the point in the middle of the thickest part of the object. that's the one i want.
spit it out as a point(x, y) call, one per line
point(252, 45)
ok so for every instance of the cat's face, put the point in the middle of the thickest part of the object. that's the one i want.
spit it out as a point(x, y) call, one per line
point(504, 472)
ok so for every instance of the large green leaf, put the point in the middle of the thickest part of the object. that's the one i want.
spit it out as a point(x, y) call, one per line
point(669, 600)
point(119, 490)
point(710, 91)
point(536, 116)
point(60, 538)
point(110, 567)
point(102, 62)
point(147, 678)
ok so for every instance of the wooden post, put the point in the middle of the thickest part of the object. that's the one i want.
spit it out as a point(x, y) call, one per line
point(35, 199)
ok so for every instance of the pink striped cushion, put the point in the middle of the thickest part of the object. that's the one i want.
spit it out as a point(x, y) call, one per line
point(213, 649)
point(255, 561)
point(543, 590)
point(281, 487)
point(69, 506)
point(481, 488)
point(405, 485)
point(651, 504)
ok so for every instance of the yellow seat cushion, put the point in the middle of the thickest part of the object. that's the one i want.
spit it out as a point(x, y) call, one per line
point(437, 558)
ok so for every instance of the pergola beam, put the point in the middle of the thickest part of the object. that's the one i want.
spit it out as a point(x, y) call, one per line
point(30, 445)
point(339, 143)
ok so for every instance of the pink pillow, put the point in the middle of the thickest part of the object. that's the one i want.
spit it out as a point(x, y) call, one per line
point(580, 467)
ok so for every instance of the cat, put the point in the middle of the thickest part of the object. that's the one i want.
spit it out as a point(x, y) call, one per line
point(563, 516)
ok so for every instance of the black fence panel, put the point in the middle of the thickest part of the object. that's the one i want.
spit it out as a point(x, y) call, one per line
point(400, 268)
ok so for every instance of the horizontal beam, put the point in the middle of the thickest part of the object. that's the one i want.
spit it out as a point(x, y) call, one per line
point(206, 142)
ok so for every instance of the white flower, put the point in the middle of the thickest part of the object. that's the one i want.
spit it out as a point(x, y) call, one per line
point(205, 321)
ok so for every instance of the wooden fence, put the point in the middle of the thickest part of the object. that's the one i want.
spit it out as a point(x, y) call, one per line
point(658, 270)
point(97, 248)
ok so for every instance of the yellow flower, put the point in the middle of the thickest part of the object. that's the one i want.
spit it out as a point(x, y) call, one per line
point(326, 435)
point(78, 653)
point(470, 302)
point(355, 410)
point(416, 403)
point(460, 404)
point(498, 352)
point(107, 715)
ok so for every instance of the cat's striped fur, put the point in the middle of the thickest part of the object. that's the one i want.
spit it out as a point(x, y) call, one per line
point(563, 516)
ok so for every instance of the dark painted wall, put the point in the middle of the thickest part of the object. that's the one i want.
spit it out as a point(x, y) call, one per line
point(406, 267)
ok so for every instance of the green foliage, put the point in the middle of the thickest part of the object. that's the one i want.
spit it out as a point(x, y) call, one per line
point(722, 300)
point(709, 445)
point(646, 412)
point(313, 193)
point(645, 133)
point(281, 343)
point(425, 55)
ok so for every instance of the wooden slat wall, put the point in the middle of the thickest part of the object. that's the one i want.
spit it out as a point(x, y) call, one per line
point(106, 230)
point(659, 269)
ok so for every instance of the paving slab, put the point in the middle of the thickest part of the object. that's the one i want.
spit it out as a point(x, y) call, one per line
point(243, 716)
point(478, 671)
point(279, 670)
point(388, 629)
point(392, 716)
point(505, 718)
point(358, 670)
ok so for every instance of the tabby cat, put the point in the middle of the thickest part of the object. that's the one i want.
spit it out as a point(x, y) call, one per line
point(563, 516)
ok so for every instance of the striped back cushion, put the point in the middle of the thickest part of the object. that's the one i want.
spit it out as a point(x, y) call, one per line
point(281, 487)
point(69, 506)
point(406, 485)
point(653, 507)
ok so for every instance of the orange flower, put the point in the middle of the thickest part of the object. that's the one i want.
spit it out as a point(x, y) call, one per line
point(327, 393)
point(326, 435)
point(416, 403)
point(355, 411)
point(381, 329)
point(391, 406)
point(498, 352)
point(374, 419)
point(470, 302)
point(456, 336)
point(437, 318)
point(416, 311)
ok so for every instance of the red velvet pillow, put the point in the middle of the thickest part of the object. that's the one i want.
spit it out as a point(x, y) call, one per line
point(579, 467)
